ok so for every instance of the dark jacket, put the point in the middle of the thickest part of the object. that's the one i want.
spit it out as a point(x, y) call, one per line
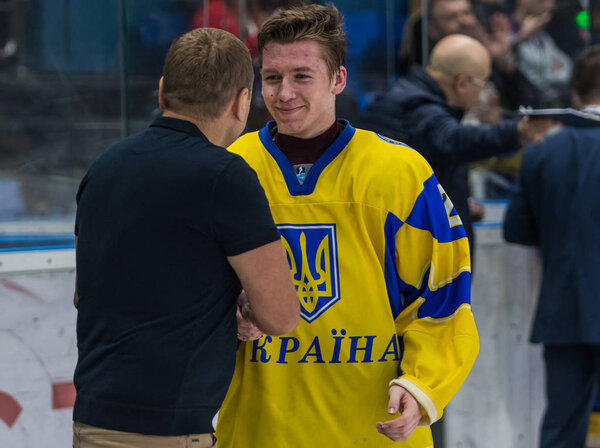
point(415, 112)
point(557, 206)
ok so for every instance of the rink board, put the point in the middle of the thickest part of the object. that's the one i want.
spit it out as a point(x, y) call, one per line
point(500, 404)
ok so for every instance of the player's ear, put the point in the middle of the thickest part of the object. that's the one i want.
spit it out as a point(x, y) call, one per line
point(339, 80)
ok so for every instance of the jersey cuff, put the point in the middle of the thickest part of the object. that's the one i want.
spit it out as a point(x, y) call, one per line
point(431, 413)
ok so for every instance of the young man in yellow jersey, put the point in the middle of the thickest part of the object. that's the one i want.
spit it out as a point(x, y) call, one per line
point(377, 253)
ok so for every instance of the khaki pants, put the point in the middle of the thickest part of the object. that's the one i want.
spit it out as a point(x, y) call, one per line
point(86, 436)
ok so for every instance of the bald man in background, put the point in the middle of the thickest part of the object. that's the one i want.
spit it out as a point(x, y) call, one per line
point(424, 109)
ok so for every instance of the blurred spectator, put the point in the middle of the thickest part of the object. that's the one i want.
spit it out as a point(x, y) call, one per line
point(447, 17)
point(594, 30)
point(224, 14)
point(535, 71)
point(556, 206)
point(566, 28)
point(424, 110)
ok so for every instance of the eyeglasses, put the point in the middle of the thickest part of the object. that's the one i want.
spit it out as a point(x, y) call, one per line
point(478, 82)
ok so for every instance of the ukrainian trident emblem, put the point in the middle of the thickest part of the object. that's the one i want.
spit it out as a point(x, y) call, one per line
point(311, 251)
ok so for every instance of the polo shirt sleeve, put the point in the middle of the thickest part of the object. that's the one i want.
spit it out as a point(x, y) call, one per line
point(242, 218)
point(77, 198)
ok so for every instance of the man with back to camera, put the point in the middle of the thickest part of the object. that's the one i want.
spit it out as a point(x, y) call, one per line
point(556, 206)
point(378, 256)
point(425, 108)
point(170, 227)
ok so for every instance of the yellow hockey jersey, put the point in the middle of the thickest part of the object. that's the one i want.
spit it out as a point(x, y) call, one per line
point(381, 264)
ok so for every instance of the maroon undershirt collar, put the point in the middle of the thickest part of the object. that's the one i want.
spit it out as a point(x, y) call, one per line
point(307, 150)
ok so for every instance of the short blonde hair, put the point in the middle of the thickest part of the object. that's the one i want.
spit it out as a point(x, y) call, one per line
point(204, 69)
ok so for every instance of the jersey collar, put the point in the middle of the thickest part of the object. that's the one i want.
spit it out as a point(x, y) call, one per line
point(294, 186)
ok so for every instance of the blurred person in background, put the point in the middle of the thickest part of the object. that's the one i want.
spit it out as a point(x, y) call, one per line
point(424, 110)
point(535, 71)
point(225, 15)
point(379, 258)
point(446, 17)
point(595, 22)
point(556, 207)
point(588, 22)
point(169, 228)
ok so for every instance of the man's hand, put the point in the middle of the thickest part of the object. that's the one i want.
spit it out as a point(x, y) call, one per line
point(533, 24)
point(402, 427)
point(531, 130)
point(498, 40)
point(247, 331)
point(476, 210)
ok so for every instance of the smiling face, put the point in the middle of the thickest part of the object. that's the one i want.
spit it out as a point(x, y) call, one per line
point(297, 88)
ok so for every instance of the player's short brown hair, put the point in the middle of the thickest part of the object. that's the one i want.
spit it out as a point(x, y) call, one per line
point(204, 69)
point(322, 24)
point(585, 80)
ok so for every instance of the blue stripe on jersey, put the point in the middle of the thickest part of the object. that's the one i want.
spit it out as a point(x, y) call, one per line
point(392, 279)
point(400, 293)
point(429, 213)
point(444, 301)
point(294, 186)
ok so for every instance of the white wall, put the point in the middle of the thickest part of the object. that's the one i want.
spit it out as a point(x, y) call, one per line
point(501, 403)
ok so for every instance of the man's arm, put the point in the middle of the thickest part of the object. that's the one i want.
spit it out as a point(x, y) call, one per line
point(520, 224)
point(433, 130)
point(266, 279)
point(445, 139)
point(433, 314)
point(244, 226)
point(440, 137)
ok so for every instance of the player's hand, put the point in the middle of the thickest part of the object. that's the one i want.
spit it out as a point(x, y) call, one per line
point(401, 427)
point(247, 331)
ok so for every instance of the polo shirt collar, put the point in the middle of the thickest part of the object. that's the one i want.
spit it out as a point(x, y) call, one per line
point(178, 125)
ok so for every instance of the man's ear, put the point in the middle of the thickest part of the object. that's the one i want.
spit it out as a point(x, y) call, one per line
point(461, 82)
point(241, 104)
point(339, 80)
point(161, 97)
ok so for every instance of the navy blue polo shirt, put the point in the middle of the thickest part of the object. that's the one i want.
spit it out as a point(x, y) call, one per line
point(158, 214)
